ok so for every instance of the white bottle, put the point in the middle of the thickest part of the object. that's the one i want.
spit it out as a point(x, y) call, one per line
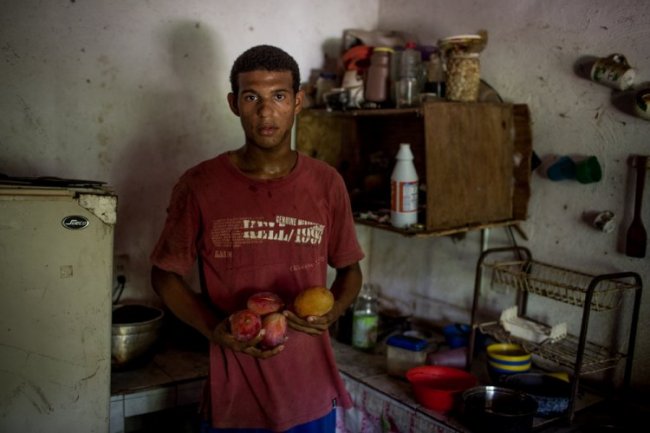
point(404, 189)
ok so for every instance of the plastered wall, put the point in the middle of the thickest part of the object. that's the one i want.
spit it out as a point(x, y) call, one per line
point(133, 93)
point(533, 56)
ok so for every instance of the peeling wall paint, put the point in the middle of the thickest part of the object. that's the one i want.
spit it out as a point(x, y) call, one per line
point(134, 93)
point(534, 55)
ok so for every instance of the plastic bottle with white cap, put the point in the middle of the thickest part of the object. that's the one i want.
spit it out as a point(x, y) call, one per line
point(365, 318)
point(404, 189)
point(410, 77)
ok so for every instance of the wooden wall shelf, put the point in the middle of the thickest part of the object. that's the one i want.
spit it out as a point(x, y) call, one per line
point(473, 160)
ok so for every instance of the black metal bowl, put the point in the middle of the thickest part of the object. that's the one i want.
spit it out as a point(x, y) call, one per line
point(492, 409)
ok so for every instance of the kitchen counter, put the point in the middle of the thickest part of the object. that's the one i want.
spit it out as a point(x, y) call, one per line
point(172, 376)
point(384, 400)
point(384, 404)
point(175, 374)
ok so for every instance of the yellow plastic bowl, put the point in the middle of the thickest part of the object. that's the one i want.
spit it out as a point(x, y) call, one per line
point(505, 368)
point(510, 353)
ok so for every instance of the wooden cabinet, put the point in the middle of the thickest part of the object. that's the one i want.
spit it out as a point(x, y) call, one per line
point(473, 160)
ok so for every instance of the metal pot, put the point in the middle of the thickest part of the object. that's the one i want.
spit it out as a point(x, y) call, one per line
point(135, 329)
point(491, 409)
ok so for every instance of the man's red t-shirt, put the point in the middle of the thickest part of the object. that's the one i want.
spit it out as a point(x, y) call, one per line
point(263, 235)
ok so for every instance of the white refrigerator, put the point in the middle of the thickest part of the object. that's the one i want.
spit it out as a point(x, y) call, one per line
point(56, 266)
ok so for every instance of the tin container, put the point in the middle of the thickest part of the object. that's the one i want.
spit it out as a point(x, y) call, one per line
point(613, 71)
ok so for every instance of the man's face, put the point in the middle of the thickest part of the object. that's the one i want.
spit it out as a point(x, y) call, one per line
point(266, 106)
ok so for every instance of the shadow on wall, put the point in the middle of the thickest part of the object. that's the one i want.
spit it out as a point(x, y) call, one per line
point(180, 116)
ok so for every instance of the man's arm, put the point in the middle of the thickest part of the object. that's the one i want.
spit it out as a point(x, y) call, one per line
point(345, 289)
point(188, 306)
point(193, 310)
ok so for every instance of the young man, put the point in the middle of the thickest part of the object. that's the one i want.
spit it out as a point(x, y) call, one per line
point(262, 218)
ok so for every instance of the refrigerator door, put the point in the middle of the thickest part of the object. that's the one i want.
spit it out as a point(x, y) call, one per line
point(56, 254)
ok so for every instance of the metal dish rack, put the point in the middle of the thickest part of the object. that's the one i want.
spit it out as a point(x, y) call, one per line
point(590, 292)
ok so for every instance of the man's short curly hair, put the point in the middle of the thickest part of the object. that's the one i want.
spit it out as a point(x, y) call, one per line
point(264, 58)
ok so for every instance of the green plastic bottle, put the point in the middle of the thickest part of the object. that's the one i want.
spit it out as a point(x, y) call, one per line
point(365, 319)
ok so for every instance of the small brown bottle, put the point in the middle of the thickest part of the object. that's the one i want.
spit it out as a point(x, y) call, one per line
point(378, 75)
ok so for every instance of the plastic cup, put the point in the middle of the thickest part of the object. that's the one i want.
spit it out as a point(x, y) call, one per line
point(563, 168)
point(456, 334)
point(588, 170)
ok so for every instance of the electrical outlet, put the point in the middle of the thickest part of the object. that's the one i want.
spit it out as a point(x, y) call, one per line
point(120, 265)
point(120, 272)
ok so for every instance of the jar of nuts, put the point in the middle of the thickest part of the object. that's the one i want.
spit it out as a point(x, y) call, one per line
point(461, 55)
point(463, 76)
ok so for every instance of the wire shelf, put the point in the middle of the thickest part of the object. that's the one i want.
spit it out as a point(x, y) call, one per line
point(564, 285)
point(601, 292)
point(563, 352)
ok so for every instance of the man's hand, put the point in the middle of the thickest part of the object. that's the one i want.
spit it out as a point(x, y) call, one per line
point(222, 336)
point(313, 325)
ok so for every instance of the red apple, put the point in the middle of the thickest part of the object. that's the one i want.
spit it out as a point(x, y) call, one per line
point(275, 330)
point(245, 325)
point(264, 303)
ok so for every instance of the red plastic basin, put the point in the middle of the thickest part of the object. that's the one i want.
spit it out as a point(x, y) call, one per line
point(437, 387)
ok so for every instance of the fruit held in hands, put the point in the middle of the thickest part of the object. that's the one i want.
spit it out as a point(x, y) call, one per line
point(264, 303)
point(275, 330)
point(315, 301)
point(245, 325)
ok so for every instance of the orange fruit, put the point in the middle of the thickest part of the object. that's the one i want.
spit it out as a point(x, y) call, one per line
point(315, 301)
